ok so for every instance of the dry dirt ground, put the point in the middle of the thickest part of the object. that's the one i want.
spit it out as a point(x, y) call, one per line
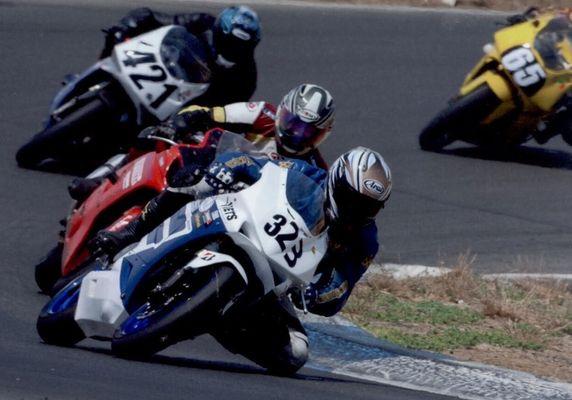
point(552, 363)
point(501, 5)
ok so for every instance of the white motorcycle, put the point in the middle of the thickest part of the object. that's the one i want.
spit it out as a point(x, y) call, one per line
point(143, 82)
point(212, 259)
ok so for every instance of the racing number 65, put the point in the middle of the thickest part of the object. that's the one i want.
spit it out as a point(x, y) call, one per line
point(524, 68)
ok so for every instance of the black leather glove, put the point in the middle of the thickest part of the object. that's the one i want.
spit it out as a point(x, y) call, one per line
point(192, 120)
point(113, 36)
point(529, 14)
point(110, 243)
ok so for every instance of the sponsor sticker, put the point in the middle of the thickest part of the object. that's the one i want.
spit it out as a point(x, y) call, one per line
point(308, 115)
point(206, 255)
point(374, 186)
point(206, 204)
point(228, 210)
point(285, 164)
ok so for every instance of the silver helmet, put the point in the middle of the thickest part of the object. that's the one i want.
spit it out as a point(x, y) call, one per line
point(359, 184)
point(304, 118)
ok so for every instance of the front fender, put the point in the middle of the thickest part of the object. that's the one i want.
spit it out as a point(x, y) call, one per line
point(207, 258)
point(502, 89)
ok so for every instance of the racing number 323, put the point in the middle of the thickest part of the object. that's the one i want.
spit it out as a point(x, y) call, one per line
point(524, 68)
point(274, 230)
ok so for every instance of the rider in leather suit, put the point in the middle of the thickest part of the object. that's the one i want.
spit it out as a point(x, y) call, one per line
point(357, 186)
point(232, 36)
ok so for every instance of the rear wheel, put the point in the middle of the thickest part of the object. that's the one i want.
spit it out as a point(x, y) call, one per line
point(184, 314)
point(462, 116)
point(78, 136)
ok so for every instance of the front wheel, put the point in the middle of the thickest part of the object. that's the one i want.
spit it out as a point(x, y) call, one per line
point(56, 323)
point(187, 313)
point(462, 117)
point(48, 271)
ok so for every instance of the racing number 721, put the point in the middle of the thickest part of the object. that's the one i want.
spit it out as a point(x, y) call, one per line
point(133, 59)
point(274, 230)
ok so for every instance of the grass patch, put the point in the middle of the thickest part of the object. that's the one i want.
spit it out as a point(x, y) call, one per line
point(392, 309)
point(460, 310)
point(452, 338)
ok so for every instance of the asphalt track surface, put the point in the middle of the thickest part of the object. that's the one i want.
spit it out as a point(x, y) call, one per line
point(389, 72)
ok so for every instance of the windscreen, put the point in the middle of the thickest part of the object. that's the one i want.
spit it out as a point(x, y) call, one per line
point(550, 41)
point(307, 198)
point(185, 56)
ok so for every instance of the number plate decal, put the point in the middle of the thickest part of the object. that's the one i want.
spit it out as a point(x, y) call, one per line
point(525, 69)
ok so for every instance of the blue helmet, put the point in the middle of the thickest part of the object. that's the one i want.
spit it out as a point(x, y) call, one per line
point(236, 32)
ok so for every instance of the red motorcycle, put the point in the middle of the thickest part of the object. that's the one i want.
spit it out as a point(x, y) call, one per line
point(116, 202)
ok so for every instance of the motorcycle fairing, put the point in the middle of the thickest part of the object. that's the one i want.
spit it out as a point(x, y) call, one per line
point(147, 173)
point(149, 84)
point(185, 226)
point(79, 84)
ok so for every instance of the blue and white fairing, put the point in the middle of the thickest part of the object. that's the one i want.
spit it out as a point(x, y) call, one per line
point(278, 221)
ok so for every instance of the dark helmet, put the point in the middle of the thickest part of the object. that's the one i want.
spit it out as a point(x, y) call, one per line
point(359, 184)
point(304, 118)
point(236, 32)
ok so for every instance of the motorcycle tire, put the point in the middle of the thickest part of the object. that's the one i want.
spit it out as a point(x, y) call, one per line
point(55, 140)
point(48, 271)
point(152, 328)
point(56, 324)
point(463, 114)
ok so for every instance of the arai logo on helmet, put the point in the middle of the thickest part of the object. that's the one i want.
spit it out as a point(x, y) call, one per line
point(373, 186)
point(308, 115)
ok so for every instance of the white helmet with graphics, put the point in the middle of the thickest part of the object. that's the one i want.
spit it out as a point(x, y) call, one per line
point(359, 184)
point(304, 118)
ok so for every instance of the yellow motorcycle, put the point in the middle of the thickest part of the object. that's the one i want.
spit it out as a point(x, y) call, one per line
point(519, 90)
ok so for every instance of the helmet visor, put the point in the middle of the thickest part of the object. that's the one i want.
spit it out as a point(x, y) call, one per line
point(295, 134)
point(352, 204)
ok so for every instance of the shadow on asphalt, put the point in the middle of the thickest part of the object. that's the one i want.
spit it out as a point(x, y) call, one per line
point(225, 366)
point(536, 156)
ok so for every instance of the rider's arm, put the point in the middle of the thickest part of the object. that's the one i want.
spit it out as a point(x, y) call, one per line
point(253, 117)
point(231, 85)
point(143, 19)
point(342, 267)
point(195, 23)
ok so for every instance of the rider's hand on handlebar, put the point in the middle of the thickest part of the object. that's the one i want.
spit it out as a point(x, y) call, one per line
point(310, 297)
point(219, 176)
point(193, 119)
point(106, 243)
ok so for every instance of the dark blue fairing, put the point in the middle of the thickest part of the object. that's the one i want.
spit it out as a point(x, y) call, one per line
point(154, 247)
point(77, 85)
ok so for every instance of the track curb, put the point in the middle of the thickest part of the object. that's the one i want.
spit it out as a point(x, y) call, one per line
point(342, 348)
point(339, 346)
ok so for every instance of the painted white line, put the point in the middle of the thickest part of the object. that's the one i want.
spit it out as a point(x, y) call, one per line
point(517, 276)
point(403, 271)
